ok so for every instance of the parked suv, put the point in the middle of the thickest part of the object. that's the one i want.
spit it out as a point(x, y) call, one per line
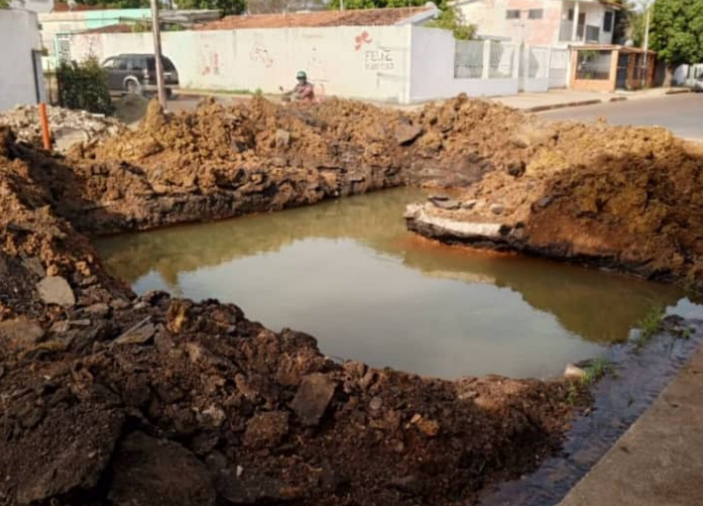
point(136, 73)
point(698, 84)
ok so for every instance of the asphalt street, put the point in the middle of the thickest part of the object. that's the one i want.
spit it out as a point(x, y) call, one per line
point(682, 114)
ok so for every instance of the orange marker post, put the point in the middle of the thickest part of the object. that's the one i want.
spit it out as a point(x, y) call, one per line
point(44, 126)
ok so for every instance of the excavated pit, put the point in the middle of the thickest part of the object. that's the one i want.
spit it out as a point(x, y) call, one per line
point(108, 398)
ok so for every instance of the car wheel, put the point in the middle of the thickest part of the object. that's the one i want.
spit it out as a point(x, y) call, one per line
point(133, 88)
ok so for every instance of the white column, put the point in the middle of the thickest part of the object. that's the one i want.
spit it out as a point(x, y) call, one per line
point(575, 28)
point(486, 60)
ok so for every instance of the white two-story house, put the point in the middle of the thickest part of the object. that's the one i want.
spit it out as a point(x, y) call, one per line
point(542, 22)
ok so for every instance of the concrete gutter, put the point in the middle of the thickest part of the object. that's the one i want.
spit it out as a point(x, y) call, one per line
point(659, 460)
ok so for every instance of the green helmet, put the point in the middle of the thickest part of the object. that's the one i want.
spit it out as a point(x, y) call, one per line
point(301, 75)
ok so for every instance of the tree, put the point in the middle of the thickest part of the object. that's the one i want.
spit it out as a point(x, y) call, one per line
point(375, 4)
point(120, 4)
point(5, 4)
point(452, 19)
point(676, 31)
point(227, 7)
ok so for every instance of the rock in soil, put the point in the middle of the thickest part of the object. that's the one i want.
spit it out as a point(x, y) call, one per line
point(312, 398)
point(159, 473)
point(56, 290)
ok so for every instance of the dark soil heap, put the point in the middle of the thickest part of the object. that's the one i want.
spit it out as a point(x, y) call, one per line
point(106, 398)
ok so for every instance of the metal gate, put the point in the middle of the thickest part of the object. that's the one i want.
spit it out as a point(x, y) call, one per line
point(559, 68)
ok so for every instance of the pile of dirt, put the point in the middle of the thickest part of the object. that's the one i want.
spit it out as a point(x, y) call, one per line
point(634, 208)
point(106, 398)
point(63, 123)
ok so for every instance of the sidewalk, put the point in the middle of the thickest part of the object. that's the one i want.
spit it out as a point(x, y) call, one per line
point(558, 99)
point(659, 460)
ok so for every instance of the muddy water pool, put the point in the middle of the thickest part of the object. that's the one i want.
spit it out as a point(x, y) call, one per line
point(349, 273)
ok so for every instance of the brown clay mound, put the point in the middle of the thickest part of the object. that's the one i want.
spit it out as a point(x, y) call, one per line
point(110, 399)
point(635, 209)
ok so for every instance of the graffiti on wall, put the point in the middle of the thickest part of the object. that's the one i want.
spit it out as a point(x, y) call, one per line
point(378, 59)
point(209, 61)
point(259, 54)
point(361, 39)
point(85, 45)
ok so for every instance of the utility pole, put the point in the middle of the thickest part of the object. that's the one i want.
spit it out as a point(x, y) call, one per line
point(156, 30)
point(646, 45)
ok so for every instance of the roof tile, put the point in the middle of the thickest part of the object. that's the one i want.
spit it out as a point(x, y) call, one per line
point(362, 17)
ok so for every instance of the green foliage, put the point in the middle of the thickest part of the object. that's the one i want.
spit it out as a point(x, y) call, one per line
point(374, 4)
point(452, 19)
point(84, 86)
point(676, 31)
point(4, 4)
point(227, 7)
point(596, 370)
point(449, 19)
point(650, 325)
point(118, 4)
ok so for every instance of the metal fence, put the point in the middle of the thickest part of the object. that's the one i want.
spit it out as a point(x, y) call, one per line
point(593, 64)
point(538, 63)
point(559, 68)
point(468, 59)
point(502, 60)
point(536, 67)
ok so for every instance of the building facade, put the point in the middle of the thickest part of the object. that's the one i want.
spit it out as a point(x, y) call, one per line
point(542, 22)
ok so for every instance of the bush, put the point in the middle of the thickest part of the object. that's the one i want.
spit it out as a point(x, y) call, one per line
point(84, 86)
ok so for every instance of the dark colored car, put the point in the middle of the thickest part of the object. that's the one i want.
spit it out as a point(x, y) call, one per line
point(698, 84)
point(136, 73)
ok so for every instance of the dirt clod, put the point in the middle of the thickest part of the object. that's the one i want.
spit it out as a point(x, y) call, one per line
point(160, 473)
point(312, 398)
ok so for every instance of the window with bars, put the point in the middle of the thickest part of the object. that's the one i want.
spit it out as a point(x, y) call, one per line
point(512, 14)
point(536, 14)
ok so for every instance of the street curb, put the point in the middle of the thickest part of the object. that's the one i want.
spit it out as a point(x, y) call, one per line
point(582, 103)
point(678, 91)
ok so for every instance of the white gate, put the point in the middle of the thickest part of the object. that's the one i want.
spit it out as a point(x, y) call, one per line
point(534, 69)
point(559, 68)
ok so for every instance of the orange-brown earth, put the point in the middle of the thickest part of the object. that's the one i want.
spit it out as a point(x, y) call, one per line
point(109, 398)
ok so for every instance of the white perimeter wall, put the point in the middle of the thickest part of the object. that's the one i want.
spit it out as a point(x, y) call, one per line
point(340, 61)
point(19, 35)
point(432, 70)
point(395, 63)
